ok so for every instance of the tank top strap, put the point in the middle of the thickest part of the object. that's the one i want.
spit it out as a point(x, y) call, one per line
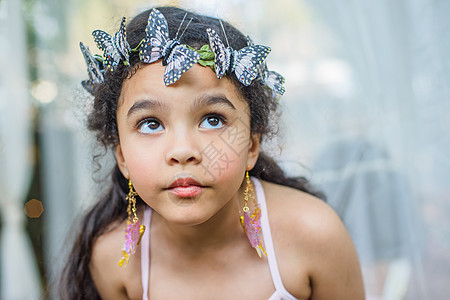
point(268, 243)
point(145, 249)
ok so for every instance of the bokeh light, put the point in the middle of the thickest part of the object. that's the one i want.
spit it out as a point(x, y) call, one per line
point(33, 208)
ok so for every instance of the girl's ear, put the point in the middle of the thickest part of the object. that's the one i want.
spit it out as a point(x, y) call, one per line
point(121, 162)
point(253, 150)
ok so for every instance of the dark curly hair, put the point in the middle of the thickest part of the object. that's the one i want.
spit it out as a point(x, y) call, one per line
point(76, 281)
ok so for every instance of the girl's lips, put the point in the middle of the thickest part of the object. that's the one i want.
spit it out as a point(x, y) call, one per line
point(184, 182)
point(186, 191)
point(185, 187)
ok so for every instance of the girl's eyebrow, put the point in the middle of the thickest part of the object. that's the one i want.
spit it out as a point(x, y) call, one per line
point(146, 104)
point(205, 100)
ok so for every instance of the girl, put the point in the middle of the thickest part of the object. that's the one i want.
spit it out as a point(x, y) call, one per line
point(183, 100)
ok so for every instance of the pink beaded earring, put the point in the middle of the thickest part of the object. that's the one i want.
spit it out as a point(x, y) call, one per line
point(133, 231)
point(251, 222)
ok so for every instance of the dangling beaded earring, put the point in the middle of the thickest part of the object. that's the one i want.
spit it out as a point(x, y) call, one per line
point(133, 231)
point(251, 222)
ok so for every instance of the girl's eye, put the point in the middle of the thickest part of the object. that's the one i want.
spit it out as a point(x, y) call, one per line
point(149, 126)
point(212, 122)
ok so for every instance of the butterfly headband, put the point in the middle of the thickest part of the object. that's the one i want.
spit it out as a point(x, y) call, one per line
point(247, 63)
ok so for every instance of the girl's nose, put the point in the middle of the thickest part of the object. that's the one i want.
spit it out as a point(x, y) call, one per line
point(183, 150)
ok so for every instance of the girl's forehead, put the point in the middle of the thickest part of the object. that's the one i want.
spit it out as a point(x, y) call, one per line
point(148, 82)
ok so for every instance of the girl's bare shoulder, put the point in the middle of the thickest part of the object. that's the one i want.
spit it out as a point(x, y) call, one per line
point(109, 278)
point(299, 212)
point(312, 245)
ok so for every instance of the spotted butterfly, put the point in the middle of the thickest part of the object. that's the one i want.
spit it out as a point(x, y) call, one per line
point(115, 48)
point(176, 57)
point(271, 79)
point(94, 68)
point(222, 54)
point(244, 62)
point(274, 81)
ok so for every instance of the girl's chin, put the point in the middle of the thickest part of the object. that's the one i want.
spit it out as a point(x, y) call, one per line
point(179, 197)
point(188, 212)
point(187, 220)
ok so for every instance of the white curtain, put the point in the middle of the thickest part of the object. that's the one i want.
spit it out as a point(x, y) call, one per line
point(387, 173)
point(19, 274)
point(368, 114)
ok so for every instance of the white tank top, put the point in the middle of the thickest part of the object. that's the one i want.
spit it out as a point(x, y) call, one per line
point(280, 291)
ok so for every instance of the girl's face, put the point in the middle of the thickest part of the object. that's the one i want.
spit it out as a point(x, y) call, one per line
point(185, 147)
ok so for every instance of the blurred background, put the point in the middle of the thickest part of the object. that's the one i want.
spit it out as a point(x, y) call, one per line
point(366, 117)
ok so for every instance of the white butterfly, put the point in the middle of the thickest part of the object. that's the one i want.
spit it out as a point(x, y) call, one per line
point(115, 48)
point(176, 57)
point(94, 67)
point(244, 62)
point(271, 79)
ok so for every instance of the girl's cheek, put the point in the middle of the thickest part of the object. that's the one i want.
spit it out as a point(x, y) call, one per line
point(141, 161)
point(226, 155)
point(221, 162)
